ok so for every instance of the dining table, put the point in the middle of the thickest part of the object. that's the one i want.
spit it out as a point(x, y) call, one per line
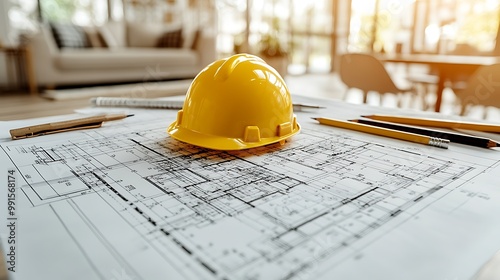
point(446, 67)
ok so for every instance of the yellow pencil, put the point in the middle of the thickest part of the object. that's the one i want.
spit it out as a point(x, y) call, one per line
point(437, 123)
point(412, 137)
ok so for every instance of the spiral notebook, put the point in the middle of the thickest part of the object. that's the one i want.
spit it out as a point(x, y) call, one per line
point(137, 102)
point(162, 103)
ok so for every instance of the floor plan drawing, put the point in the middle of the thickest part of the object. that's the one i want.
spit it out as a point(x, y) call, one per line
point(139, 203)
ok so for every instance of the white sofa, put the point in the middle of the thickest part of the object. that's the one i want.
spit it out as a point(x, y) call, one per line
point(119, 62)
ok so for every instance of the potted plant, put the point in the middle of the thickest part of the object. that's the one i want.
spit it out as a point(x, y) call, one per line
point(272, 50)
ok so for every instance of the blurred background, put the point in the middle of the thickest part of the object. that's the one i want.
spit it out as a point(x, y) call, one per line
point(303, 39)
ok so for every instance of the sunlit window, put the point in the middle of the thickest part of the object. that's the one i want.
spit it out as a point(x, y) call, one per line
point(459, 27)
point(301, 29)
point(22, 15)
point(80, 12)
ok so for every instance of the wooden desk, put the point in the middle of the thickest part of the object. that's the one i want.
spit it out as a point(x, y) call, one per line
point(447, 66)
point(23, 61)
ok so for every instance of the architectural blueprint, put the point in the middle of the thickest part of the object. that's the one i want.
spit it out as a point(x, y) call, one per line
point(128, 202)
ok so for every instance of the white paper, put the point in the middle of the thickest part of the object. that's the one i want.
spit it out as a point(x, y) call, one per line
point(126, 201)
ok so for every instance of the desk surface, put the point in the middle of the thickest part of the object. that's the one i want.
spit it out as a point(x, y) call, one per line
point(433, 59)
point(126, 200)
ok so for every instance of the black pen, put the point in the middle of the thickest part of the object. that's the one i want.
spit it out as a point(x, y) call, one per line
point(453, 137)
point(298, 105)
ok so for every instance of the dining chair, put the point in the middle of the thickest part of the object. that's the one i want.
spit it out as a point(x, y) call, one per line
point(367, 73)
point(482, 88)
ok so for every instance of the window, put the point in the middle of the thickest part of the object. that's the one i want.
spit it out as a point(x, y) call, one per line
point(80, 12)
point(427, 26)
point(303, 29)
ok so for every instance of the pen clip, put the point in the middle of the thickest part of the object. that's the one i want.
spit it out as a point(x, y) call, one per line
point(45, 132)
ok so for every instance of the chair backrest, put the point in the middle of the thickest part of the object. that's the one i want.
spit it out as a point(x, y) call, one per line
point(482, 88)
point(365, 72)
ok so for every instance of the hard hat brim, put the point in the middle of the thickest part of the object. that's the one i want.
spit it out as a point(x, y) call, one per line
point(220, 143)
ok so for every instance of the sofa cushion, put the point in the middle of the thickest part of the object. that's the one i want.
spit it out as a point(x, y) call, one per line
point(68, 35)
point(75, 59)
point(146, 35)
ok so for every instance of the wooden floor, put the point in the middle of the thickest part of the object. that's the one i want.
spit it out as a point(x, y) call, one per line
point(17, 106)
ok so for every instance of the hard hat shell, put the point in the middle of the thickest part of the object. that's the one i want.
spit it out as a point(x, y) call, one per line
point(236, 103)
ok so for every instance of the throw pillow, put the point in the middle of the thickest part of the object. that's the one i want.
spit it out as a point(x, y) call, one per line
point(95, 38)
point(68, 35)
point(196, 38)
point(171, 39)
point(114, 35)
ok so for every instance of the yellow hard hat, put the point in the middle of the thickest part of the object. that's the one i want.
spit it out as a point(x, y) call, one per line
point(236, 103)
